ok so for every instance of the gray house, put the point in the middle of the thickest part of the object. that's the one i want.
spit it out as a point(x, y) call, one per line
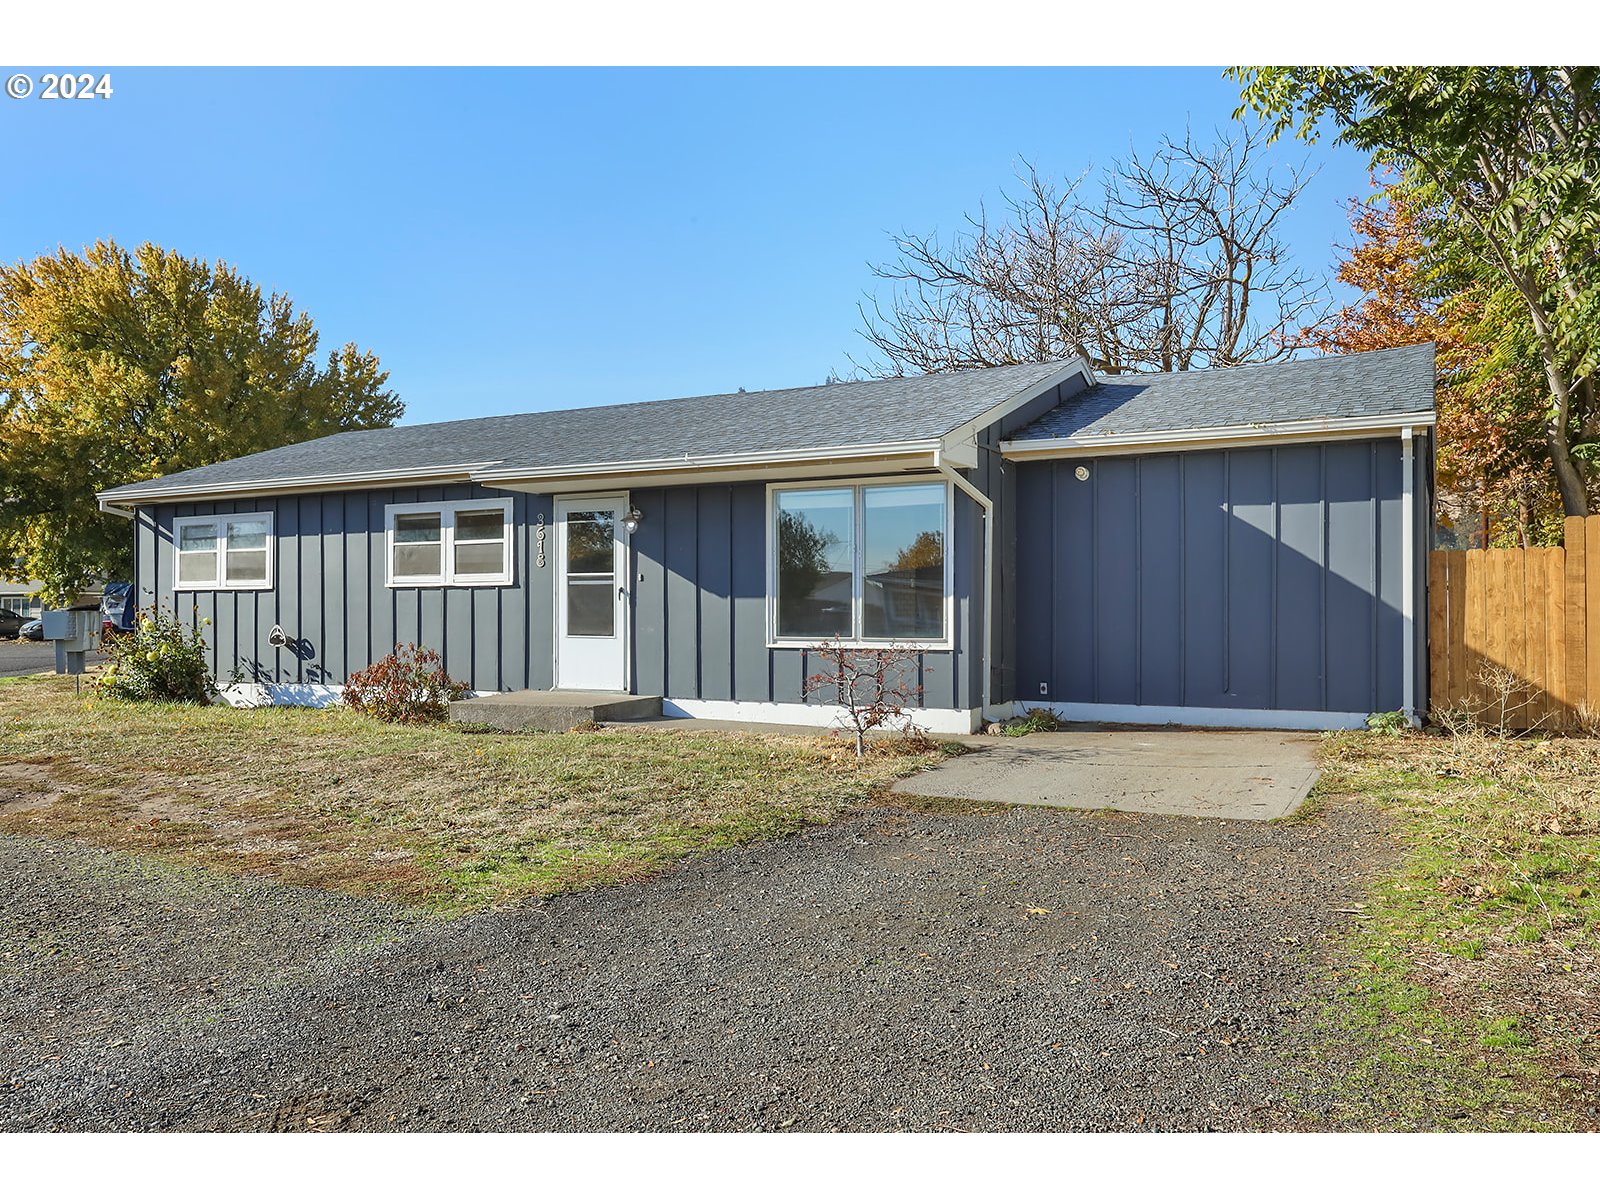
point(1237, 547)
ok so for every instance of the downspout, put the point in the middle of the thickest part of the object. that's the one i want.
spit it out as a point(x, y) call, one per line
point(116, 510)
point(1408, 569)
point(987, 505)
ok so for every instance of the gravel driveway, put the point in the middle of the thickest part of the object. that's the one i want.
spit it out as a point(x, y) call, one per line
point(1030, 969)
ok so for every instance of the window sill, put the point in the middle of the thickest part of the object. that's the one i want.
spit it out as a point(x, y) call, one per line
point(398, 584)
point(221, 587)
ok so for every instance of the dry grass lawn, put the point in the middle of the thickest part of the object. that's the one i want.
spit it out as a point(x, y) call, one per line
point(1470, 996)
point(424, 815)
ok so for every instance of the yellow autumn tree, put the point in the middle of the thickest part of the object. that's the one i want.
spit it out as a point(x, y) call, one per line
point(1493, 461)
point(119, 365)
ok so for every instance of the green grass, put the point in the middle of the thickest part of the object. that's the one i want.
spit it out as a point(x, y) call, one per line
point(428, 815)
point(1460, 998)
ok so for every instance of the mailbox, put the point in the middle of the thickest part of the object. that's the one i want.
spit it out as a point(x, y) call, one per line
point(72, 629)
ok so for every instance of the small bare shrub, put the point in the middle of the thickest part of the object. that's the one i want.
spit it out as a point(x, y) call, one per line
point(1588, 718)
point(874, 688)
point(408, 686)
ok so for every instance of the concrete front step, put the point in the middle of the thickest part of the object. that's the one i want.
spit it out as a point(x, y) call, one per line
point(552, 712)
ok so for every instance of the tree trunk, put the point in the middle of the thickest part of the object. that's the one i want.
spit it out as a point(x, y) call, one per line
point(1569, 479)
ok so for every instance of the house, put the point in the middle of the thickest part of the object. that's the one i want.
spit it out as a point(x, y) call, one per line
point(20, 597)
point(1240, 547)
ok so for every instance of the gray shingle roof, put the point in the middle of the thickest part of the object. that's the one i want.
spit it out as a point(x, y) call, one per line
point(1374, 384)
point(831, 416)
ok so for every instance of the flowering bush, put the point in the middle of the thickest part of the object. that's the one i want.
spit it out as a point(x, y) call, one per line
point(410, 686)
point(159, 659)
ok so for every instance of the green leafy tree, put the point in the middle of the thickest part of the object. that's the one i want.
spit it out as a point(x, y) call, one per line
point(119, 365)
point(1505, 164)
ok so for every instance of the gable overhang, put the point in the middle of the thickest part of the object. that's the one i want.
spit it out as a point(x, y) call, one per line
point(1218, 437)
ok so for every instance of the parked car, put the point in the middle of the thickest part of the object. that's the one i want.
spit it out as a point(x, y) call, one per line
point(11, 622)
point(33, 630)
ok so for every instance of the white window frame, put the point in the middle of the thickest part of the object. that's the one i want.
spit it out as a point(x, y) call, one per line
point(855, 485)
point(221, 583)
point(447, 510)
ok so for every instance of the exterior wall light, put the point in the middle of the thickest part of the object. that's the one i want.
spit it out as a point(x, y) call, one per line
point(631, 519)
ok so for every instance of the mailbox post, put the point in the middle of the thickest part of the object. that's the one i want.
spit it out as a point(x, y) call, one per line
point(72, 630)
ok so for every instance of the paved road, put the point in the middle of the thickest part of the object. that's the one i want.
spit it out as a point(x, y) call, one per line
point(1248, 776)
point(28, 658)
point(1027, 969)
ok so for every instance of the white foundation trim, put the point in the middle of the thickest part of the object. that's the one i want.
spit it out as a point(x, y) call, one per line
point(820, 716)
point(1207, 718)
point(266, 695)
point(288, 695)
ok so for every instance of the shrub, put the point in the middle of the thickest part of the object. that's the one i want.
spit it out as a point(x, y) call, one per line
point(409, 686)
point(159, 659)
point(875, 689)
point(1390, 723)
point(1036, 720)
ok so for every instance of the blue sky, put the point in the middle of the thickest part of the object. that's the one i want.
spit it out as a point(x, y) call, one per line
point(511, 240)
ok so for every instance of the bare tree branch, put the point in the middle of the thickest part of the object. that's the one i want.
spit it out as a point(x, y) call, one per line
point(1177, 265)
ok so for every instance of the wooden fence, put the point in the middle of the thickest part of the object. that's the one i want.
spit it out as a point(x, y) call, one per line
point(1518, 630)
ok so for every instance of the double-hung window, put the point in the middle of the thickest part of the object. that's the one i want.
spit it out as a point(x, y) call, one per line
point(860, 562)
point(457, 543)
point(225, 551)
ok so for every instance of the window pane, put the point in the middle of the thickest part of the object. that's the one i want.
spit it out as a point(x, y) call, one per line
point(422, 560)
point(816, 532)
point(197, 537)
point(591, 541)
point(416, 527)
point(902, 561)
point(591, 609)
point(480, 526)
point(246, 566)
point(198, 567)
point(480, 558)
point(247, 535)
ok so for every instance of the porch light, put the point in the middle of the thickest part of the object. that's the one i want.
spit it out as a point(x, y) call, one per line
point(631, 519)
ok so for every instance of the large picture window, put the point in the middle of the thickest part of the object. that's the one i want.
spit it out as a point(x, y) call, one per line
point(225, 551)
point(461, 543)
point(861, 562)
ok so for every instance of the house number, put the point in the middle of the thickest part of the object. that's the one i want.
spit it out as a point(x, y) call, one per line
point(538, 535)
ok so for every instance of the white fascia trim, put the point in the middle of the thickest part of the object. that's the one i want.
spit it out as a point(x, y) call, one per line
point(816, 716)
point(1204, 718)
point(689, 462)
point(453, 473)
point(1318, 428)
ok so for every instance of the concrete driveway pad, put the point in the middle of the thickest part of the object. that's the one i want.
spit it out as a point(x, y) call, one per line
point(1249, 776)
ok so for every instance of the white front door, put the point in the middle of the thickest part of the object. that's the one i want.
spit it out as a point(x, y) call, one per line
point(591, 594)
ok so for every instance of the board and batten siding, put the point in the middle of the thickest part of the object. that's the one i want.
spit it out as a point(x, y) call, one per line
point(1259, 578)
point(700, 603)
point(330, 598)
point(699, 580)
